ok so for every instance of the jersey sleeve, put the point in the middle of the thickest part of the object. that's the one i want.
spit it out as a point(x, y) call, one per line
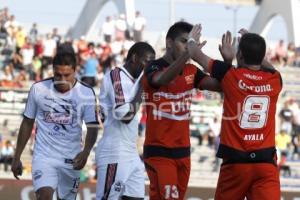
point(121, 92)
point(199, 77)
point(105, 98)
point(218, 69)
point(31, 104)
point(90, 112)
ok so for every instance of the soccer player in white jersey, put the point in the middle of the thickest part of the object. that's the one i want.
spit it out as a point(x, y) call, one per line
point(58, 105)
point(119, 167)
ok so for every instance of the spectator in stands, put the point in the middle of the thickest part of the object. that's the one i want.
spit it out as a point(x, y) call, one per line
point(282, 141)
point(7, 153)
point(11, 24)
point(49, 49)
point(33, 33)
point(296, 143)
point(7, 77)
point(4, 15)
point(27, 53)
point(90, 70)
point(56, 36)
point(38, 48)
point(17, 60)
point(283, 166)
point(280, 56)
point(286, 118)
point(108, 29)
point(36, 67)
point(120, 27)
point(20, 36)
point(291, 54)
point(296, 116)
point(138, 27)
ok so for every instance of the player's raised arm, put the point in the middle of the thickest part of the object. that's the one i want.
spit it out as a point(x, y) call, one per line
point(195, 47)
point(23, 137)
point(227, 48)
point(166, 76)
point(134, 104)
point(205, 82)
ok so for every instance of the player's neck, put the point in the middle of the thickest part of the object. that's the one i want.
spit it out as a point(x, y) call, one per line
point(252, 67)
point(128, 67)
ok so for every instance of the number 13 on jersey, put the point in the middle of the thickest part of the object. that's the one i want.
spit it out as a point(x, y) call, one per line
point(255, 112)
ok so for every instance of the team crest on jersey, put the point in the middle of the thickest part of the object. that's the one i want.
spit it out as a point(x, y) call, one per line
point(37, 174)
point(189, 79)
point(58, 118)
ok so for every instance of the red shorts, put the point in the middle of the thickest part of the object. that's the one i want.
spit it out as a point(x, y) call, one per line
point(168, 177)
point(259, 181)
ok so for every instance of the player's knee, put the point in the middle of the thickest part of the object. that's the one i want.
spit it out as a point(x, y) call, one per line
point(131, 198)
point(45, 193)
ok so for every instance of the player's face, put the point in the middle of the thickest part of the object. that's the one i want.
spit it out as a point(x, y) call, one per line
point(64, 77)
point(179, 45)
point(143, 62)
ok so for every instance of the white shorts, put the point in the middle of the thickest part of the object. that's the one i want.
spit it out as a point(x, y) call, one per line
point(57, 174)
point(121, 179)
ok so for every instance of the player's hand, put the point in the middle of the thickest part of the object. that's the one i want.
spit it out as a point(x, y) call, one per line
point(80, 160)
point(194, 44)
point(243, 31)
point(195, 33)
point(17, 168)
point(227, 48)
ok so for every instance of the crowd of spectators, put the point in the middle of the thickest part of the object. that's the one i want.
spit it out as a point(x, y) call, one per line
point(26, 56)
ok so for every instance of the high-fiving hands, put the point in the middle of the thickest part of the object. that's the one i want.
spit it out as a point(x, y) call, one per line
point(227, 48)
point(194, 43)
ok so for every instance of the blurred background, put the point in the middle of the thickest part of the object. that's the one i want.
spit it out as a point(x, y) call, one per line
point(102, 31)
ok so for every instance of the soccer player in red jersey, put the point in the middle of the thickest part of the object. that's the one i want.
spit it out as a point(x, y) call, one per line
point(169, 85)
point(251, 91)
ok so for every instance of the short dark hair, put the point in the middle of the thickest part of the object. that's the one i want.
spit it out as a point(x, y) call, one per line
point(65, 55)
point(253, 48)
point(178, 28)
point(140, 49)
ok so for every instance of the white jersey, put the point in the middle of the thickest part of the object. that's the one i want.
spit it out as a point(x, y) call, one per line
point(59, 118)
point(118, 142)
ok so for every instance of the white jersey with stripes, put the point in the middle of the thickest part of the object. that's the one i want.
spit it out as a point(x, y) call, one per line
point(118, 142)
point(59, 118)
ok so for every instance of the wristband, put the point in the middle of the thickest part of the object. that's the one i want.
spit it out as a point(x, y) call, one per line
point(191, 40)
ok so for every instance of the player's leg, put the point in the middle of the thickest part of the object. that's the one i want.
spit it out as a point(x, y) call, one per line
point(44, 179)
point(135, 183)
point(107, 185)
point(266, 185)
point(68, 184)
point(183, 170)
point(162, 173)
point(234, 181)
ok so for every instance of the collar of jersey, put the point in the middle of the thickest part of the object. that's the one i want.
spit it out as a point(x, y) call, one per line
point(127, 73)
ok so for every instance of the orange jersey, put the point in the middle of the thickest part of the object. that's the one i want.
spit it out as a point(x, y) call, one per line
point(168, 107)
point(250, 98)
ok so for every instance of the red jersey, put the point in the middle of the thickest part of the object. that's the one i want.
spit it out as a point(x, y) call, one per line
point(168, 107)
point(250, 98)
